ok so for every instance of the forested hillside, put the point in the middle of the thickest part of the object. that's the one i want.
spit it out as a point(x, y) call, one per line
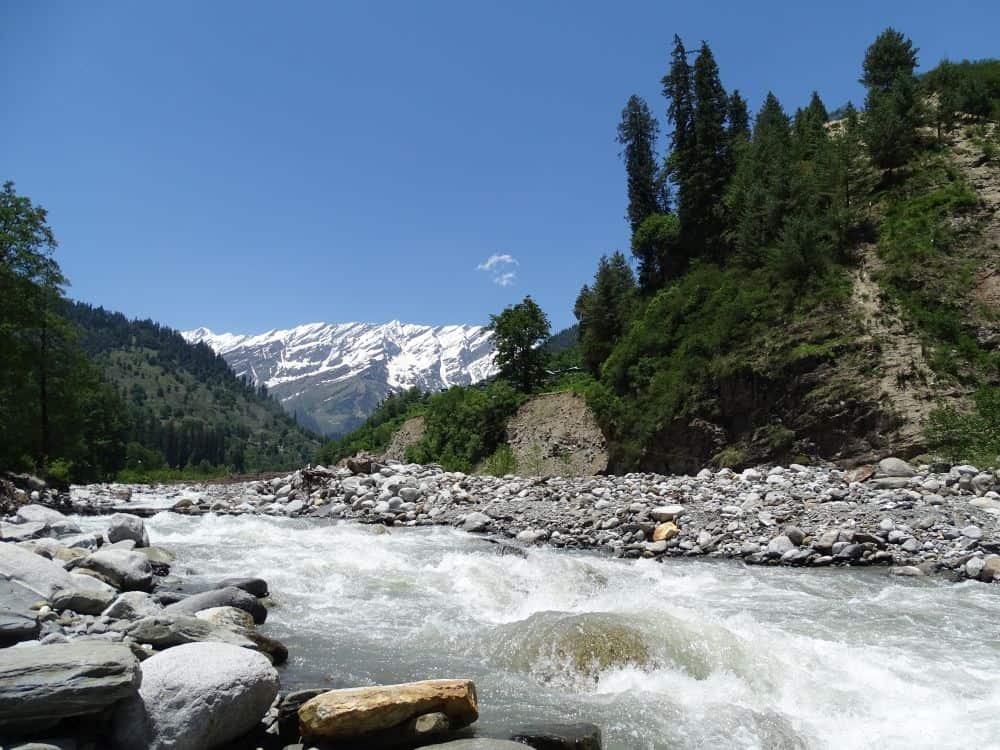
point(186, 402)
point(800, 285)
point(86, 394)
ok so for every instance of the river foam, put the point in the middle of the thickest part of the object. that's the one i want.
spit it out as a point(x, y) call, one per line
point(700, 654)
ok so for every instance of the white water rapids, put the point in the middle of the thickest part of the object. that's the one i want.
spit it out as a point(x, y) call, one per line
point(729, 656)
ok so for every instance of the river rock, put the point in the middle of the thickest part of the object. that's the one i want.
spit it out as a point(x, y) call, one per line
point(894, 467)
point(40, 574)
point(667, 512)
point(128, 570)
point(18, 618)
point(581, 736)
point(353, 712)
point(227, 597)
point(41, 514)
point(779, 546)
point(126, 526)
point(196, 696)
point(44, 683)
point(476, 521)
point(664, 532)
point(132, 605)
point(84, 601)
point(479, 743)
point(255, 586)
point(168, 631)
point(991, 569)
point(22, 532)
point(230, 617)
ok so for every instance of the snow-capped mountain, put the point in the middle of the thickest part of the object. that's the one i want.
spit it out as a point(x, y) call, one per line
point(333, 375)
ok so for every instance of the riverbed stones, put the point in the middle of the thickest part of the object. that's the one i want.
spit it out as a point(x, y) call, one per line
point(894, 467)
point(478, 743)
point(666, 512)
point(83, 601)
point(123, 568)
point(132, 605)
point(126, 526)
point(229, 596)
point(48, 683)
point(40, 574)
point(664, 532)
point(476, 521)
point(166, 631)
point(351, 713)
point(552, 736)
point(196, 696)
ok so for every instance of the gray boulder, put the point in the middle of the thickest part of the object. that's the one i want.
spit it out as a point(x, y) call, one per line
point(545, 736)
point(479, 743)
point(167, 631)
point(227, 597)
point(39, 574)
point(21, 532)
point(18, 621)
point(132, 605)
point(126, 569)
point(84, 601)
point(126, 526)
point(196, 696)
point(894, 467)
point(45, 683)
point(476, 521)
point(39, 514)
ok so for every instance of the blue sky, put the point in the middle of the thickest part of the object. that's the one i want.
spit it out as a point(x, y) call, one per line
point(249, 165)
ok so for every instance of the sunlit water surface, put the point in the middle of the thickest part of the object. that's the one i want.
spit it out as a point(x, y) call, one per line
point(715, 655)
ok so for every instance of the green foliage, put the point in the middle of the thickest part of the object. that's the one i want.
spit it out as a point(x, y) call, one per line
point(465, 425)
point(968, 436)
point(891, 55)
point(501, 462)
point(970, 86)
point(184, 400)
point(376, 433)
point(56, 415)
point(637, 134)
point(518, 333)
point(605, 308)
point(657, 247)
point(891, 121)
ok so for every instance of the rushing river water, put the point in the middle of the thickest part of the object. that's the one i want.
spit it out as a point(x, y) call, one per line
point(702, 654)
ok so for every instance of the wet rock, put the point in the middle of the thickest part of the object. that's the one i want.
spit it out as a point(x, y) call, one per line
point(124, 526)
point(478, 744)
point(132, 605)
point(476, 521)
point(581, 736)
point(196, 696)
point(907, 571)
point(42, 683)
point(226, 597)
point(231, 617)
point(255, 586)
point(125, 569)
point(354, 712)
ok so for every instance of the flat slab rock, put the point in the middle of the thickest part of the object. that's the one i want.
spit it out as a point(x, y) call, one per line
point(354, 712)
point(71, 679)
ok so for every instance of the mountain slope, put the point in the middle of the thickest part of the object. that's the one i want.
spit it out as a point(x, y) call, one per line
point(187, 403)
point(333, 375)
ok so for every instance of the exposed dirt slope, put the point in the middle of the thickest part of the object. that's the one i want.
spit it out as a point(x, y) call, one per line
point(556, 434)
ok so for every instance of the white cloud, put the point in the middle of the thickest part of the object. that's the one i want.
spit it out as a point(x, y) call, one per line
point(501, 267)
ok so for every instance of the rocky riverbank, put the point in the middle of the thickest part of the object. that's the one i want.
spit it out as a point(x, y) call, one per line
point(101, 646)
point(914, 520)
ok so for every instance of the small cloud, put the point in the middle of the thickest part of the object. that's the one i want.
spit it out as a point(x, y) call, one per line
point(500, 266)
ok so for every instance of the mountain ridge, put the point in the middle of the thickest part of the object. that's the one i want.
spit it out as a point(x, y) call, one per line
point(331, 376)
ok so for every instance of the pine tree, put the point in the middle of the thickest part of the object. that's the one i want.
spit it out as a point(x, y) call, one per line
point(758, 199)
point(738, 117)
point(889, 56)
point(679, 91)
point(892, 106)
point(637, 133)
point(702, 188)
point(656, 246)
point(604, 310)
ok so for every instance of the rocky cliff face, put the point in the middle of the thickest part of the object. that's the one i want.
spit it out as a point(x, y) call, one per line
point(333, 375)
point(556, 434)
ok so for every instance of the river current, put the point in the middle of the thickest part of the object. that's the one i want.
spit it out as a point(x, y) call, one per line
point(684, 654)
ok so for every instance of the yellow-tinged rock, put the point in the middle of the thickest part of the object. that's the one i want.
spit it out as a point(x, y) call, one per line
point(350, 713)
point(664, 532)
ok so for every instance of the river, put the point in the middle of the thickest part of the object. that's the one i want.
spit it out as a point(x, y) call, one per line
point(704, 654)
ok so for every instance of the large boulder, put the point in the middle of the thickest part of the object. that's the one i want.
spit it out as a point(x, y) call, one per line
point(18, 618)
point(126, 526)
point(227, 597)
point(132, 605)
point(44, 683)
point(894, 467)
point(196, 697)
point(167, 631)
point(41, 575)
point(39, 514)
point(355, 712)
point(128, 570)
point(84, 601)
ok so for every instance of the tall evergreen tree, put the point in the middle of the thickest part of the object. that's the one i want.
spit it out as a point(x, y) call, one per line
point(738, 117)
point(637, 133)
point(710, 168)
point(679, 90)
point(892, 106)
point(758, 199)
point(518, 333)
point(604, 310)
point(891, 55)
point(657, 247)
